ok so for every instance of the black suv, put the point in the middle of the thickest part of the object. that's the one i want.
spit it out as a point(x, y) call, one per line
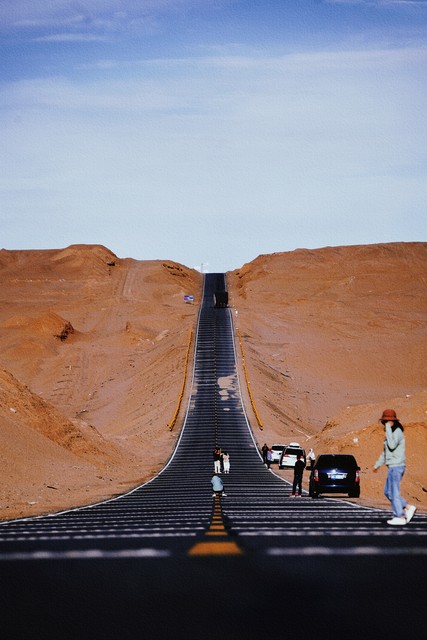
point(335, 473)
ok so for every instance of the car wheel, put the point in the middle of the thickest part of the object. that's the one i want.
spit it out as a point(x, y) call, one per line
point(354, 494)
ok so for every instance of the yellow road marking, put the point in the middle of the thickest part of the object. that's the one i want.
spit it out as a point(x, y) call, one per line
point(215, 549)
point(215, 533)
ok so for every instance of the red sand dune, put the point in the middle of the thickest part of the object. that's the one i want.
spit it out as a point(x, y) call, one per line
point(93, 350)
point(331, 338)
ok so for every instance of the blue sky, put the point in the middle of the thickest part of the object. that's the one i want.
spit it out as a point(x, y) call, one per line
point(212, 131)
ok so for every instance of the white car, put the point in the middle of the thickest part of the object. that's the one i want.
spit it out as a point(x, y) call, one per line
point(277, 450)
point(290, 455)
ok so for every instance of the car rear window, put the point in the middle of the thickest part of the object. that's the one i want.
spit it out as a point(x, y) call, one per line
point(277, 447)
point(290, 451)
point(338, 460)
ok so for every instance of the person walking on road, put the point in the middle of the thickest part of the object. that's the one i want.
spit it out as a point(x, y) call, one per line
point(393, 456)
point(226, 462)
point(298, 471)
point(217, 486)
point(264, 450)
point(217, 460)
point(269, 457)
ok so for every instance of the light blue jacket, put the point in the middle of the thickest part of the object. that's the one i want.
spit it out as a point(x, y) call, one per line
point(217, 483)
point(393, 454)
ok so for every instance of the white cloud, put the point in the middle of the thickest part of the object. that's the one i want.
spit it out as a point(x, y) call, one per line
point(72, 37)
point(283, 151)
point(28, 13)
point(421, 3)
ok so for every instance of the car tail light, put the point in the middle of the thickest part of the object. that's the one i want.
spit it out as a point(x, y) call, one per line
point(316, 476)
point(357, 478)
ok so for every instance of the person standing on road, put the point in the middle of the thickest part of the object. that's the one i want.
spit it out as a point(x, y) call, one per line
point(217, 486)
point(264, 452)
point(269, 457)
point(298, 471)
point(226, 462)
point(393, 456)
point(311, 457)
point(217, 460)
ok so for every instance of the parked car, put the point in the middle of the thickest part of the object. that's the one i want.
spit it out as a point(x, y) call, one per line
point(335, 473)
point(290, 455)
point(277, 450)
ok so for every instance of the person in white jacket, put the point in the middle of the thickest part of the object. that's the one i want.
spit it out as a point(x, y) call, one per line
point(393, 456)
point(311, 457)
point(226, 462)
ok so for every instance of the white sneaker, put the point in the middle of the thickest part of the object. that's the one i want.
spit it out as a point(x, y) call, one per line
point(409, 512)
point(397, 521)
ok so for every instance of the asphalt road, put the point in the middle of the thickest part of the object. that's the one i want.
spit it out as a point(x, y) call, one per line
point(169, 560)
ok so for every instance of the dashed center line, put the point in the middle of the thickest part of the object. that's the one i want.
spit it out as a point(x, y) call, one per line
point(224, 546)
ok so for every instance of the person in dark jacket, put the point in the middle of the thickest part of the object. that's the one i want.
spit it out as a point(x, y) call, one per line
point(217, 460)
point(298, 471)
point(264, 452)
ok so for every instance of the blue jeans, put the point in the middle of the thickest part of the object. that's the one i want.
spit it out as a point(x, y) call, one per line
point(392, 490)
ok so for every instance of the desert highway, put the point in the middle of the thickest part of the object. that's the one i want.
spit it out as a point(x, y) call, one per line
point(168, 560)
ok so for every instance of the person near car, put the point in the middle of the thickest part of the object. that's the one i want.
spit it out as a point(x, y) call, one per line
point(264, 450)
point(393, 456)
point(217, 486)
point(269, 457)
point(298, 473)
point(311, 457)
point(226, 462)
point(217, 460)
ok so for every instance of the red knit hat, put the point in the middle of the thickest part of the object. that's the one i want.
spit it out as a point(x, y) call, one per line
point(389, 414)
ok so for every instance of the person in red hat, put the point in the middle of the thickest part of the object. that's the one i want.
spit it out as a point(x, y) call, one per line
point(393, 456)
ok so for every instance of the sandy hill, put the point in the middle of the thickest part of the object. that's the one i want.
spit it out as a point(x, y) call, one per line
point(92, 358)
point(93, 350)
point(333, 336)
